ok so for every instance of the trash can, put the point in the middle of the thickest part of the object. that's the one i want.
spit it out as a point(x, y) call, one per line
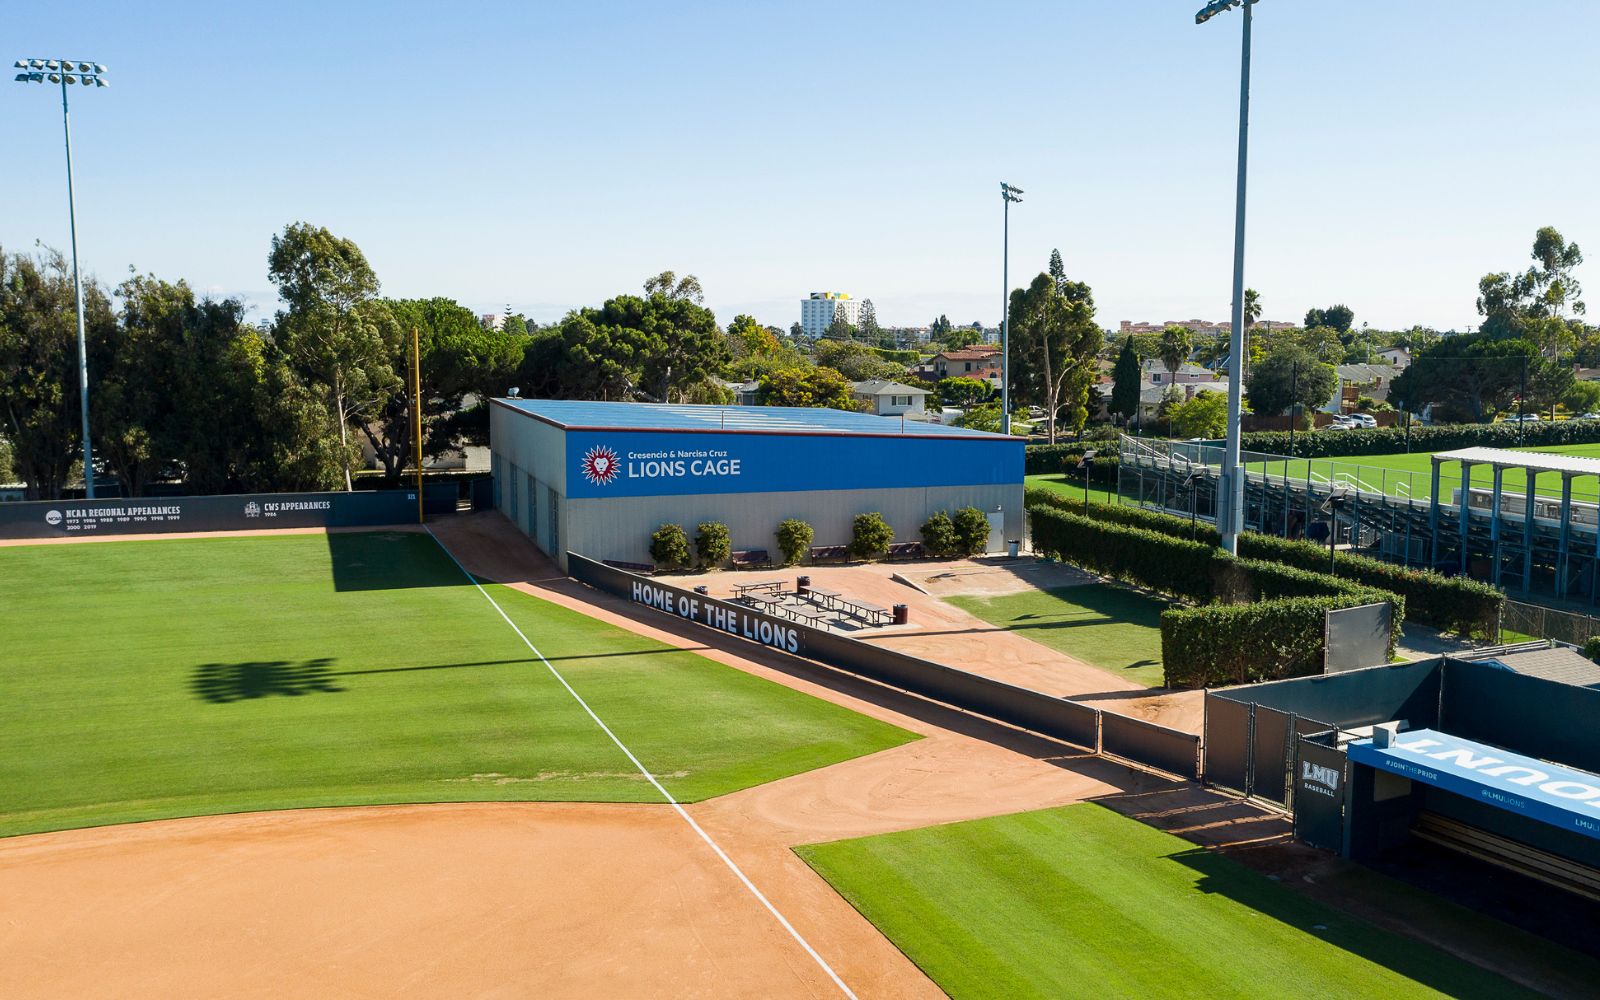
point(703, 590)
point(902, 614)
point(802, 584)
point(1013, 548)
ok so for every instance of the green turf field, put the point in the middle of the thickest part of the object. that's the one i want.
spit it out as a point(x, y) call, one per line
point(1082, 902)
point(1411, 475)
point(1062, 485)
point(165, 678)
point(1109, 626)
point(1397, 475)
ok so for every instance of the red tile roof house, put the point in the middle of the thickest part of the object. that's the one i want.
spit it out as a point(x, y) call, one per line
point(975, 362)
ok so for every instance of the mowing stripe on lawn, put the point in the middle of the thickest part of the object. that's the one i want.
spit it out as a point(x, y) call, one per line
point(715, 847)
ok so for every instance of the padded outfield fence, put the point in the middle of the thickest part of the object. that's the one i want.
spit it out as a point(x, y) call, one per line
point(1071, 722)
point(238, 512)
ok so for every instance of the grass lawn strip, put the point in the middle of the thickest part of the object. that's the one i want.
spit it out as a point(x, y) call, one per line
point(1082, 902)
point(154, 679)
point(1105, 625)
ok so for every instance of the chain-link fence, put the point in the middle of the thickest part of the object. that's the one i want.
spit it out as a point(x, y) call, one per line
point(1539, 622)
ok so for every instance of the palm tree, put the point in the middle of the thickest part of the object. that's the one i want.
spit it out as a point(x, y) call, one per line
point(1252, 315)
point(1174, 348)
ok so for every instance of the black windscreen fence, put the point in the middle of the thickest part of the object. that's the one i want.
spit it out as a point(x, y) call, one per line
point(1407, 691)
point(1537, 717)
point(1147, 743)
point(1227, 743)
point(1058, 718)
point(238, 512)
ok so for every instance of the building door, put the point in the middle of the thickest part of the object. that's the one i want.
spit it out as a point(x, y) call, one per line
point(555, 524)
point(533, 508)
point(511, 484)
point(997, 532)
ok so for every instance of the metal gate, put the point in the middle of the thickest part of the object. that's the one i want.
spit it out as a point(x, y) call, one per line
point(1250, 748)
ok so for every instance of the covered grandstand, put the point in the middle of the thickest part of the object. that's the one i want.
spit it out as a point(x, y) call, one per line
point(1468, 514)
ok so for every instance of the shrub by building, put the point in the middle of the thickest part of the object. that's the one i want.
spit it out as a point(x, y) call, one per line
point(669, 547)
point(939, 536)
point(794, 539)
point(712, 543)
point(870, 536)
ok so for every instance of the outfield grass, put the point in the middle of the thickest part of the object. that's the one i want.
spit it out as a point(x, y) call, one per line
point(153, 679)
point(1105, 625)
point(1082, 902)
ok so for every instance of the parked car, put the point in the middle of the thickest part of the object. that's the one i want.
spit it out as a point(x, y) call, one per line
point(1523, 418)
point(1364, 421)
point(1341, 423)
point(1587, 416)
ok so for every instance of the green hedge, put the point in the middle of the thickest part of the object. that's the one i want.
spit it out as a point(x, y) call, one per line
point(1049, 459)
point(1391, 440)
point(1223, 644)
point(1450, 604)
point(1151, 559)
point(1261, 610)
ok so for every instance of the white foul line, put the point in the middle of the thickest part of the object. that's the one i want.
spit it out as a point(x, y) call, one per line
point(652, 778)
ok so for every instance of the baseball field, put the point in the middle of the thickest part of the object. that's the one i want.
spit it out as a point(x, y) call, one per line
point(152, 679)
point(522, 748)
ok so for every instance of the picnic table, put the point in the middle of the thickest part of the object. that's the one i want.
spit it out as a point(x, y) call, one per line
point(772, 602)
point(871, 612)
point(746, 589)
point(827, 597)
point(811, 616)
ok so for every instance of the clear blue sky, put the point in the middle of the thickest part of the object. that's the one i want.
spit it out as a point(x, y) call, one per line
point(550, 155)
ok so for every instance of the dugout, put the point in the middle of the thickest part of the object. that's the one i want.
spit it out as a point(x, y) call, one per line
point(598, 478)
point(1481, 761)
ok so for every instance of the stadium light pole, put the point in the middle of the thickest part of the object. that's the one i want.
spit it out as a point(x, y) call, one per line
point(1008, 194)
point(67, 72)
point(1230, 516)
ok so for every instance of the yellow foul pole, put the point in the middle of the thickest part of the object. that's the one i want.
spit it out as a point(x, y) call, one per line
point(416, 416)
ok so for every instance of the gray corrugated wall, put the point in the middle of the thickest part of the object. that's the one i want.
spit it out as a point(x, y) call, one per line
point(620, 527)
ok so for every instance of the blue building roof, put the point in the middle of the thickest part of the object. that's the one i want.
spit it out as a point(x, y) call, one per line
point(588, 415)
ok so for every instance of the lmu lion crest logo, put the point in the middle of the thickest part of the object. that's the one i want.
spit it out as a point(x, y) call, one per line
point(600, 465)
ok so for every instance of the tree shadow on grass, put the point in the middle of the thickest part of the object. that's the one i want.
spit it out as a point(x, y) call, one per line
point(222, 683)
point(1419, 962)
point(390, 560)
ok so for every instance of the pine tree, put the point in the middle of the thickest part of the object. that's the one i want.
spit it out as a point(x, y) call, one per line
point(868, 325)
point(1125, 382)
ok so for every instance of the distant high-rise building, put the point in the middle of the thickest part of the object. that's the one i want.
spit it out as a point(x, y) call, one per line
point(817, 310)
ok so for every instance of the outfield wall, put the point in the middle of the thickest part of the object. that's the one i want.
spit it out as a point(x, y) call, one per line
point(1069, 721)
point(239, 512)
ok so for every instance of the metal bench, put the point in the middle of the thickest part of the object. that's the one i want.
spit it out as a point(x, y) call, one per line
point(751, 558)
point(907, 550)
point(631, 567)
point(829, 553)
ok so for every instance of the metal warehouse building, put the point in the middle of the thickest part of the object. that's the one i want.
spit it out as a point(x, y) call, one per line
point(598, 478)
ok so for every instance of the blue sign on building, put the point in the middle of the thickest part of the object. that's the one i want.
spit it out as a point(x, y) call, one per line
point(1551, 793)
point(632, 463)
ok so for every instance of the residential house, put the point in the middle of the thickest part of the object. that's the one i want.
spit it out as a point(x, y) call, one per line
point(1396, 357)
point(1151, 396)
point(891, 399)
point(972, 361)
point(1156, 373)
point(1356, 381)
